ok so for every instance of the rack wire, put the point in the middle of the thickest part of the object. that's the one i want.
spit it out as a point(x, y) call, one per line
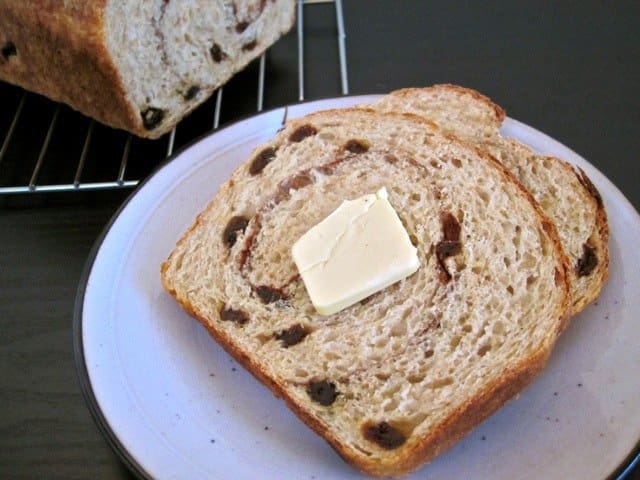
point(21, 119)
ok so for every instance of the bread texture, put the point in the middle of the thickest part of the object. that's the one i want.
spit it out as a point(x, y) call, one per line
point(137, 65)
point(396, 379)
point(564, 192)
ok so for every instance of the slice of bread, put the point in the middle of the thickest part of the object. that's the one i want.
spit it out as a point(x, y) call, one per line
point(397, 378)
point(565, 193)
point(138, 65)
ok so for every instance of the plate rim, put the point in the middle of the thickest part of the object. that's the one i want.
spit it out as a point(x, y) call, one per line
point(125, 456)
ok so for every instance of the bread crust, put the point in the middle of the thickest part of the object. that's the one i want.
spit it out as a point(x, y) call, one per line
point(82, 74)
point(600, 240)
point(498, 112)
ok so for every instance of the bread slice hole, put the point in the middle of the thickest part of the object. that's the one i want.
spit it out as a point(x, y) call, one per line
point(390, 405)
point(400, 328)
point(528, 262)
point(516, 237)
point(326, 135)
point(484, 195)
point(264, 338)
point(484, 349)
point(391, 390)
point(362, 450)
point(408, 425)
point(331, 355)
point(499, 328)
point(545, 244)
point(440, 383)
point(531, 281)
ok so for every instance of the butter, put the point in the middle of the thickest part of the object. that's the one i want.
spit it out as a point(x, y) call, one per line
point(359, 249)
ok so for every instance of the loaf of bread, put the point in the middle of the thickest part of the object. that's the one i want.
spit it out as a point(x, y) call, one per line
point(565, 193)
point(397, 378)
point(138, 65)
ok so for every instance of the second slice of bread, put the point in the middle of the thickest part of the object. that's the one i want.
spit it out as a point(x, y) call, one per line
point(565, 193)
point(396, 379)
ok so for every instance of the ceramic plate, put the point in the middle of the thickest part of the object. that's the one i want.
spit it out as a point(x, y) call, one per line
point(174, 405)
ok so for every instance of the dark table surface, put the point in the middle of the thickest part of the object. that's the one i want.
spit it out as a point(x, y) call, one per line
point(571, 69)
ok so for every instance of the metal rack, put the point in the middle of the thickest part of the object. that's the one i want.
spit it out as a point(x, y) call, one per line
point(76, 180)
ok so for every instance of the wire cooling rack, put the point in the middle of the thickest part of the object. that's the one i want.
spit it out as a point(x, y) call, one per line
point(47, 147)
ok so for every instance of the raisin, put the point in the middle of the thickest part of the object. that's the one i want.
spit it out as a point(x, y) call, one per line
point(297, 182)
point(302, 132)
point(269, 294)
point(236, 224)
point(292, 335)
point(588, 262)
point(322, 392)
point(450, 227)
point(192, 92)
point(261, 160)
point(8, 50)
point(447, 248)
point(384, 435)
point(233, 315)
point(247, 47)
point(152, 117)
point(356, 146)
point(217, 54)
point(242, 26)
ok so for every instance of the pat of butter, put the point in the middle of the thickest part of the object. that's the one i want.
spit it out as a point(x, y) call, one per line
point(359, 249)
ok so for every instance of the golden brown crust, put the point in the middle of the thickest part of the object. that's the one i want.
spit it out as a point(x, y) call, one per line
point(599, 240)
point(82, 74)
point(498, 111)
point(335, 111)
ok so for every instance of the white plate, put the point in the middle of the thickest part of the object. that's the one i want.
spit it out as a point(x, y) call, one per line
point(175, 405)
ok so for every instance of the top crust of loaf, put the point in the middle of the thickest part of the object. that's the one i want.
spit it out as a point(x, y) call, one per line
point(564, 192)
point(374, 379)
point(72, 52)
point(456, 102)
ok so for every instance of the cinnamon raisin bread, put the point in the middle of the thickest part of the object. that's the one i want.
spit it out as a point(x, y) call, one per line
point(397, 378)
point(564, 192)
point(139, 65)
